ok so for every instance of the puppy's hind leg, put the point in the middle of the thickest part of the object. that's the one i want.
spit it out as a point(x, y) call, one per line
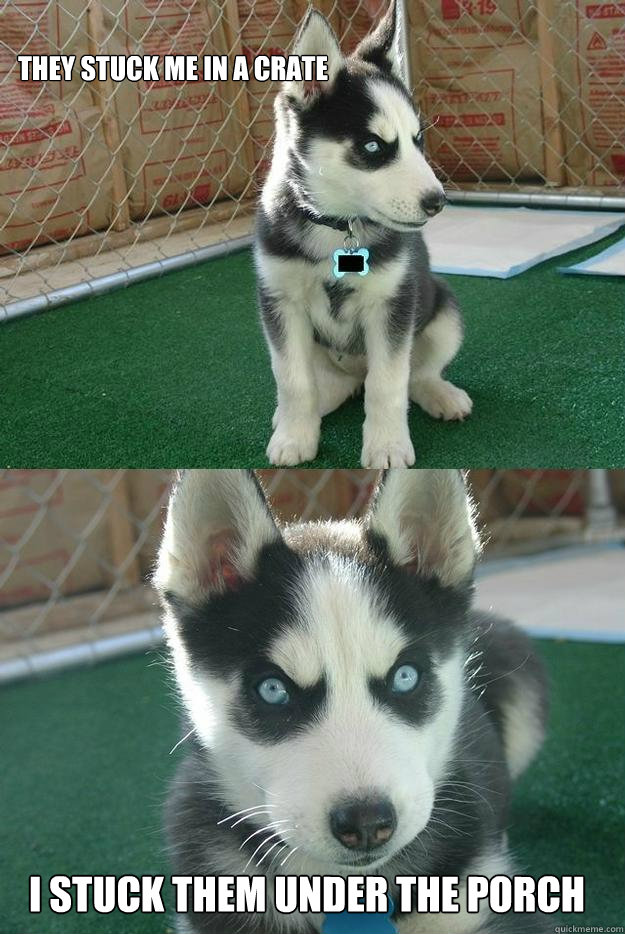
point(334, 385)
point(433, 348)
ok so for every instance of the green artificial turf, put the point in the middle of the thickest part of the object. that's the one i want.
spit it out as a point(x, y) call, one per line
point(85, 761)
point(174, 372)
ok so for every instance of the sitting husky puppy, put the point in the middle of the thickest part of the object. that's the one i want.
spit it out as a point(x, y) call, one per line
point(348, 162)
point(349, 712)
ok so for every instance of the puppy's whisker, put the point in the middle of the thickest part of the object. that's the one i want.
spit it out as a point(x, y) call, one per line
point(271, 848)
point(264, 790)
point(254, 807)
point(445, 810)
point(456, 830)
point(250, 816)
point(288, 856)
point(427, 124)
point(276, 856)
point(270, 826)
point(259, 847)
point(180, 742)
point(253, 816)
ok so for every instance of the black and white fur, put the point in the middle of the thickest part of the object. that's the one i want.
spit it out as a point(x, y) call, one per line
point(395, 329)
point(332, 609)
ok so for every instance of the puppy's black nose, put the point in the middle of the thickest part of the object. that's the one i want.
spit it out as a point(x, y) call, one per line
point(363, 824)
point(433, 202)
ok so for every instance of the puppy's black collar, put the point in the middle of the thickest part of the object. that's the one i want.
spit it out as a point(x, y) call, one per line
point(336, 223)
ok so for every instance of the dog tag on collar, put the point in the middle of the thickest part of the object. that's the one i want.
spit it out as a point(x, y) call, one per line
point(351, 261)
point(352, 258)
point(346, 922)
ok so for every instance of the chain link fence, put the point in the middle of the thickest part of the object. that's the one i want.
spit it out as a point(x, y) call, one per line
point(77, 546)
point(104, 183)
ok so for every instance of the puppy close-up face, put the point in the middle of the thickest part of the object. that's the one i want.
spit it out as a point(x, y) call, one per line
point(359, 710)
point(321, 665)
point(357, 141)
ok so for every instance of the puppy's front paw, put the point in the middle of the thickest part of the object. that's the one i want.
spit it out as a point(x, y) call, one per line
point(383, 450)
point(441, 399)
point(293, 442)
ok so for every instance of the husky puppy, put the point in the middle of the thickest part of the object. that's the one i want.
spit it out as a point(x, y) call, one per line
point(349, 712)
point(349, 151)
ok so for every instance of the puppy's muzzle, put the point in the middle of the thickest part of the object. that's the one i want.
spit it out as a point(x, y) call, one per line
point(364, 824)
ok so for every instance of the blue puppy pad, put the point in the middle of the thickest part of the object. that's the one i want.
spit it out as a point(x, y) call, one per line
point(350, 922)
point(503, 242)
point(610, 262)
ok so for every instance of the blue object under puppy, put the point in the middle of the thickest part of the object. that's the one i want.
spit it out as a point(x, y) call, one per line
point(350, 922)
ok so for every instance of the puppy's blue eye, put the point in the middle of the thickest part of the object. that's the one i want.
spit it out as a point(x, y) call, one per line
point(405, 679)
point(273, 691)
point(372, 146)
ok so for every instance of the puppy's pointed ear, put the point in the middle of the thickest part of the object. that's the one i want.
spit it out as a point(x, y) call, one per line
point(381, 47)
point(315, 37)
point(426, 519)
point(217, 523)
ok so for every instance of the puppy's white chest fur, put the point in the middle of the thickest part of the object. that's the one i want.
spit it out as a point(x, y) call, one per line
point(337, 308)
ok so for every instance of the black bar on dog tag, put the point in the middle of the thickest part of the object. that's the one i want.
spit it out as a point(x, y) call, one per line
point(351, 262)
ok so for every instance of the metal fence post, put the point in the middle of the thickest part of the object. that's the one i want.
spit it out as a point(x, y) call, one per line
point(600, 512)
